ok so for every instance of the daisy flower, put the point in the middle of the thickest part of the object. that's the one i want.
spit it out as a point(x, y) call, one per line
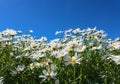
point(116, 59)
point(20, 68)
point(48, 75)
point(72, 60)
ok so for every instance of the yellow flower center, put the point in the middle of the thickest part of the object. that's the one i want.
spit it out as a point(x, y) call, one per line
point(62, 56)
point(73, 60)
point(71, 49)
point(44, 63)
point(49, 49)
point(50, 69)
point(113, 44)
point(76, 32)
point(32, 65)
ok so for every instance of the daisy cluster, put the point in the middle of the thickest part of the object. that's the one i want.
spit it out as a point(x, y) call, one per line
point(27, 60)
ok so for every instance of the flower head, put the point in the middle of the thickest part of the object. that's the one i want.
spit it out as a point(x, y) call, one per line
point(20, 68)
point(73, 60)
point(9, 32)
point(116, 59)
point(48, 75)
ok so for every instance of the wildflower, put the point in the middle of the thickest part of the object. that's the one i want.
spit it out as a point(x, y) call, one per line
point(35, 64)
point(90, 30)
point(44, 63)
point(73, 60)
point(49, 61)
point(116, 45)
point(116, 59)
point(51, 67)
point(80, 48)
point(99, 32)
point(70, 48)
point(106, 57)
point(61, 53)
point(49, 48)
point(117, 39)
point(68, 33)
point(9, 32)
point(53, 43)
point(33, 45)
point(36, 56)
point(12, 55)
point(113, 44)
point(32, 65)
point(20, 68)
point(31, 31)
point(58, 32)
point(96, 47)
point(48, 75)
point(71, 44)
point(77, 31)
point(42, 39)
point(64, 40)
point(19, 32)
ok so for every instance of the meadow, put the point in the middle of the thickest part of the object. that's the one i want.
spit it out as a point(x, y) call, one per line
point(85, 56)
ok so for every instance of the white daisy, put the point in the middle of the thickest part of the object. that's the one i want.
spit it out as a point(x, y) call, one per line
point(77, 31)
point(116, 59)
point(51, 67)
point(73, 60)
point(48, 75)
point(20, 68)
point(9, 32)
point(58, 32)
point(31, 31)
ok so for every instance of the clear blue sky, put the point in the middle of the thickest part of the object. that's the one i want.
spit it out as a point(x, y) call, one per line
point(45, 17)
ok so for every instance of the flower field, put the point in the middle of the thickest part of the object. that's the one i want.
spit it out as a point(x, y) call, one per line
point(85, 56)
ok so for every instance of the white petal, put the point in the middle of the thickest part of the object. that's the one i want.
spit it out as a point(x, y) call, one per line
point(41, 76)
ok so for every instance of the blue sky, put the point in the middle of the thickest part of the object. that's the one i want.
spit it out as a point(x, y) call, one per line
point(45, 17)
